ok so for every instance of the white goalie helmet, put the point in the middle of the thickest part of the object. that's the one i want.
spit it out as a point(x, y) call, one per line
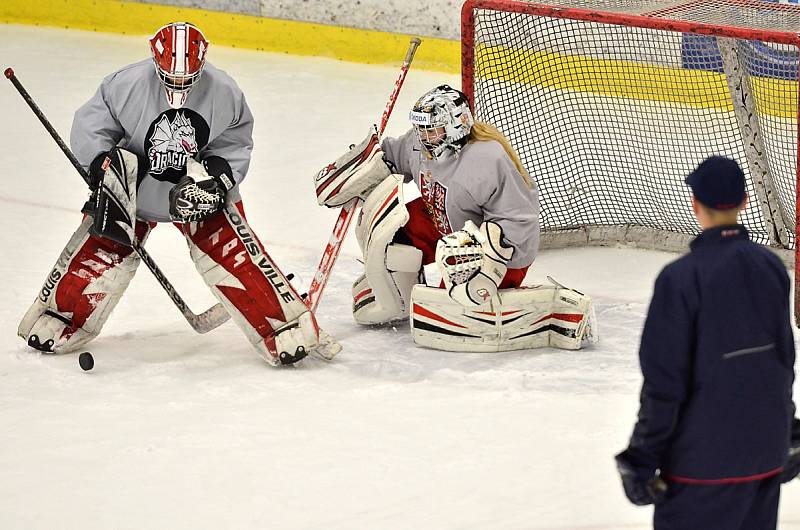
point(442, 120)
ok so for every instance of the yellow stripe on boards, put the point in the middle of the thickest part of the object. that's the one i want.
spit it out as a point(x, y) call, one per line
point(239, 31)
point(696, 88)
point(629, 79)
point(775, 97)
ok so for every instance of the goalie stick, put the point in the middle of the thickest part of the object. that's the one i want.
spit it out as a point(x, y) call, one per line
point(349, 210)
point(202, 323)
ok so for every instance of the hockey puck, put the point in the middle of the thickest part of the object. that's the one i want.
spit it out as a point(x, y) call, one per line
point(86, 361)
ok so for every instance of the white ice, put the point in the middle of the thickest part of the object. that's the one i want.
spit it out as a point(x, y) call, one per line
point(177, 430)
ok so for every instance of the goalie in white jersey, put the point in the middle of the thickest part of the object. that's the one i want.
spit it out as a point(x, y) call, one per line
point(477, 218)
point(168, 139)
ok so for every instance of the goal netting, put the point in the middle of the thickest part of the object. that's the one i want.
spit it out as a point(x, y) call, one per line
point(611, 103)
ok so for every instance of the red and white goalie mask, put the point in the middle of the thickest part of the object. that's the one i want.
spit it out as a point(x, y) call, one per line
point(179, 52)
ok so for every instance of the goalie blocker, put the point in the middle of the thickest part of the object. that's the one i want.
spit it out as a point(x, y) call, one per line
point(525, 318)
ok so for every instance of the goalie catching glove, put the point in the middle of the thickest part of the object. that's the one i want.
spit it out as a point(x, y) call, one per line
point(473, 262)
point(202, 191)
point(354, 174)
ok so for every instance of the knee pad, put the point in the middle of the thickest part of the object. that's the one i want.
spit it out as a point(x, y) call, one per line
point(80, 292)
point(384, 295)
point(391, 270)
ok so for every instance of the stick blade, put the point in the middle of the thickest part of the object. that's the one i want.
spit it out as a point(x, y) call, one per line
point(210, 319)
point(327, 347)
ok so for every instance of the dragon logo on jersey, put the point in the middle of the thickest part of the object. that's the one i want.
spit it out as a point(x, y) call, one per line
point(434, 195)
point(172, 143)
point(172, 138)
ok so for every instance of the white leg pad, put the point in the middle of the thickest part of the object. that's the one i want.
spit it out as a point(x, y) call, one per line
point(385, 295)
point(526, 318)
point(382, 294)
point(251, 287)
point(99, 279)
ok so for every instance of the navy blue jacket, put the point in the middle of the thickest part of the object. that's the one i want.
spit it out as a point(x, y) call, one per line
point(717, 355)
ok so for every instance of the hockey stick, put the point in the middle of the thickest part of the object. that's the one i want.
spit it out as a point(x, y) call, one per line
point(349, 210)
point(202, 323)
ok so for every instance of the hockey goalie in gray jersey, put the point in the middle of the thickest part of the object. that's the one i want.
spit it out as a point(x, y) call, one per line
point(168, 139)
point(477, 219)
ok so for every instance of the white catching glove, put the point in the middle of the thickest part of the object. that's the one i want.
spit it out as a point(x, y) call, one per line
point(473, 262)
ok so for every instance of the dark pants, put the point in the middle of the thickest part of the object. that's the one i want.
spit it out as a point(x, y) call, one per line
point(742, 506)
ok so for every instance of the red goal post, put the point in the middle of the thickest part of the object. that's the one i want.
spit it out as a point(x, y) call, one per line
point(611, 103)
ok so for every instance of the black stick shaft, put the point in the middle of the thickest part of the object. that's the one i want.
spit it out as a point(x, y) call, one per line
point(165, 284)
point(47, 125)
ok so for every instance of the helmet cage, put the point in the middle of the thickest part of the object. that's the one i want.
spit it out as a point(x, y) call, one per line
point(179, 53)
point(442, 108)
point(177, 82)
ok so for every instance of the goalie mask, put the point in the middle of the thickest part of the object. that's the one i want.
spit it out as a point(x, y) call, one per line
point(442, 120)
point(179, 53)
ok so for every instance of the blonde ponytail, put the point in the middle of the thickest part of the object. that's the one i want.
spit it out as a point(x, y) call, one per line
point(484, 132)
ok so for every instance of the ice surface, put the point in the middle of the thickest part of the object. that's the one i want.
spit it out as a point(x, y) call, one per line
point(177, 430)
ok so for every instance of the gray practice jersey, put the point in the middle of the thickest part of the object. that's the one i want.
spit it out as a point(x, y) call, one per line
point(130, 110)
point(480, 184)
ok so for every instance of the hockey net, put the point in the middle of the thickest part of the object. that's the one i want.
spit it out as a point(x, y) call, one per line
point(611, 103)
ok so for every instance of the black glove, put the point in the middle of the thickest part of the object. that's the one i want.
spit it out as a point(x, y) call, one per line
point(96, 173)
point(220, 170)
point(641, 488)
point(202, 192)
point(792, 467)
point(96, 170)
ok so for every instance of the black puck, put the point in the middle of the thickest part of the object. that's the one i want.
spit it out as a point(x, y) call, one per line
point(86, 361)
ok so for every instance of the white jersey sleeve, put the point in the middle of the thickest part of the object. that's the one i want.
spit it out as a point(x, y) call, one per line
point(95, 128)
point(235, 143)
point(396, 152)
